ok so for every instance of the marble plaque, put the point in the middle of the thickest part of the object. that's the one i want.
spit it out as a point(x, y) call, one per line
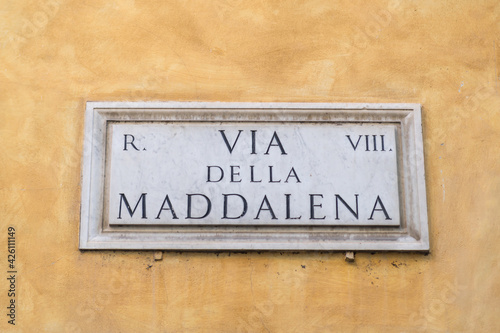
point(234, 176)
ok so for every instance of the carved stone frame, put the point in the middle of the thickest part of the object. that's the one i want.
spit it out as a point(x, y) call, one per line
point(411, 235)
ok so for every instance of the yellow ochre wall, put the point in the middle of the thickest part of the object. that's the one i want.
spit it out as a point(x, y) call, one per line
point(55, 56)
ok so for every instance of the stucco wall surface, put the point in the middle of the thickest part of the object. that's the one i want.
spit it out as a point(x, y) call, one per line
point(57, 54)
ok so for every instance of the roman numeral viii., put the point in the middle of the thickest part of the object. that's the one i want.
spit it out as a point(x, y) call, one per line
point(368, 142)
